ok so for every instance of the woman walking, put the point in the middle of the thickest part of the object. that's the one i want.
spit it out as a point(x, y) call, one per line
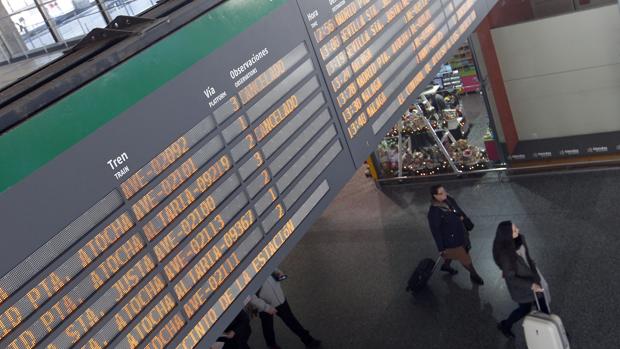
point(446, 221)
point(523, 280)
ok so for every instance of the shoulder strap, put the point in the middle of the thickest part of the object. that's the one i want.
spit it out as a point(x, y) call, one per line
point(453, 205)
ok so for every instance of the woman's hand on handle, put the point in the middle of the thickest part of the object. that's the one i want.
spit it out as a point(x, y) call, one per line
point(536, 288)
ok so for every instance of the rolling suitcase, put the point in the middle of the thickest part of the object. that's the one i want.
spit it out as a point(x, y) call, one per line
point(421, 274)
point(544, 331)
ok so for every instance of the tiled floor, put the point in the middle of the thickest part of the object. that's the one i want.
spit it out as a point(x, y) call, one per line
point(347, 276)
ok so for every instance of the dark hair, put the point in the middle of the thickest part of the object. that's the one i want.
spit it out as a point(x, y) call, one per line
point(504, 253)
point(434, 189)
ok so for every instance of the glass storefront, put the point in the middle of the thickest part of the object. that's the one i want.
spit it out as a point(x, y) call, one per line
point(447, 130)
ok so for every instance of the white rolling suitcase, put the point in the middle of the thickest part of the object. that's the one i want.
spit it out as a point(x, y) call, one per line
point(544, 331)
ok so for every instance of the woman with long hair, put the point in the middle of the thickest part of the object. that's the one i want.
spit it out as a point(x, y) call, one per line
point(523, 280)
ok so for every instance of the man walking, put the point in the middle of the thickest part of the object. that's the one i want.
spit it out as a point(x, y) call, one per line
point(270, 301)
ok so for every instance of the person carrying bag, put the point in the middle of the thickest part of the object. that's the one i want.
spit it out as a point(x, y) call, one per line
point(523, 280)
point(446, 221)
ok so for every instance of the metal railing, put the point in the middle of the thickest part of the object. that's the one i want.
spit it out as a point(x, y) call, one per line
point(505, 172)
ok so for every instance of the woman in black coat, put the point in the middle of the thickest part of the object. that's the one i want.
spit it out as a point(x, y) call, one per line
point(447, 223)
point(512, 256)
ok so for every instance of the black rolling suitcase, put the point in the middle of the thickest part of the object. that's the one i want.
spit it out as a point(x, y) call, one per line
point(422, 274)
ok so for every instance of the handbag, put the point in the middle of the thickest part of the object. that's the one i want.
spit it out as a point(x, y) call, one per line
point(469, 225)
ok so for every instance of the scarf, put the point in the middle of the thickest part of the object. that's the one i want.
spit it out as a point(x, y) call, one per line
point(441, 204)
point(518, 242)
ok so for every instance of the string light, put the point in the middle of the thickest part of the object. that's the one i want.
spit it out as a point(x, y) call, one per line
point(427, 160)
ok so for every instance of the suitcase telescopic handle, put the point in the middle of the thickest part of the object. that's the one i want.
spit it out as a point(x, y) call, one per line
point(436, 264)
point(538, 303)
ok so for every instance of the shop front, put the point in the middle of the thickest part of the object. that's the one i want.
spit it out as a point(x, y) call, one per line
point(525, 94)
point(446, 132)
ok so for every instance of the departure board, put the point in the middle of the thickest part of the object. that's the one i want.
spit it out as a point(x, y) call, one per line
point(152, 231)
point(377, 54)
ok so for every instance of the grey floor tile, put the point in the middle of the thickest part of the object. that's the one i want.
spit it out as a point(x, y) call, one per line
point(347, 275)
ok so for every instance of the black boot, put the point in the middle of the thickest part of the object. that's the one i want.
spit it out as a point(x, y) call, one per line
point(447, 268)
point(505, 330)
point(315, 343)
point(473, 275)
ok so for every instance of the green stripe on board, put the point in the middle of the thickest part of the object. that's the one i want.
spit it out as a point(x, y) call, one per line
point(44, 136)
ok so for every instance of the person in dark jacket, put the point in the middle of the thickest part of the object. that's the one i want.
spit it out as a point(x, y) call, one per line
point(237, 334)
point(446, 220)
point(523, 280)
point(439, 103)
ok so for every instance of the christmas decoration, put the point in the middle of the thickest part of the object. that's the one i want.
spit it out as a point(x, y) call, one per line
point(419, 155)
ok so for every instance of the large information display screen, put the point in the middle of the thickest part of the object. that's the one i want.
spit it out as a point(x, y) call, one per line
point(153, 230)
point(376, 54)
